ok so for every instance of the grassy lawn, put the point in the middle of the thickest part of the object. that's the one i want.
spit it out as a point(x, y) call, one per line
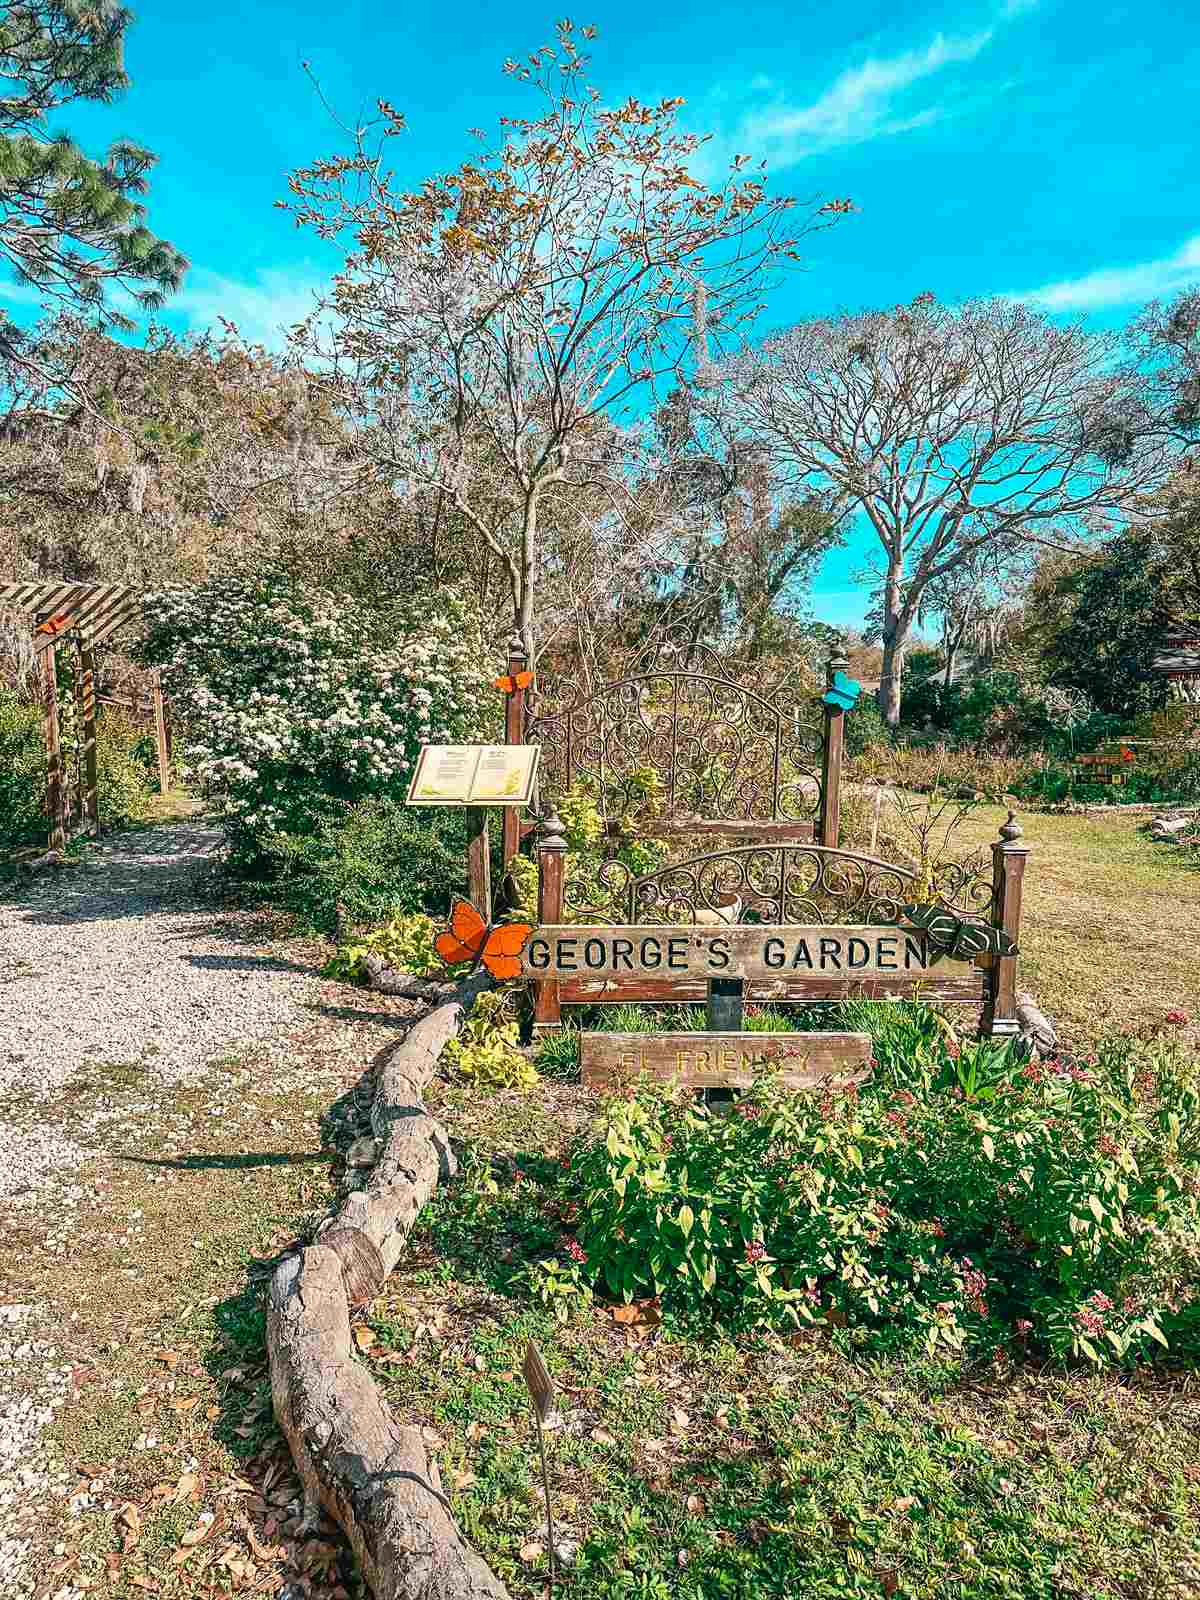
point(1109, 921)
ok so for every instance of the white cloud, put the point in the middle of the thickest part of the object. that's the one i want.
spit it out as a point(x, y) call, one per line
point(865, 102)
point(1120, 286)
point(263, 310)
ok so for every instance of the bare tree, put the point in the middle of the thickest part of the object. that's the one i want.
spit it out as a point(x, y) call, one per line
point(527, 294)
point(958, 433)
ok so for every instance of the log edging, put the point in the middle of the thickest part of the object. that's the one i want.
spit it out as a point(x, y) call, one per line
point(374, 1476)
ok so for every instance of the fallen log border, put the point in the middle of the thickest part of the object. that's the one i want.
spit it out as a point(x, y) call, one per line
point(374, 1477)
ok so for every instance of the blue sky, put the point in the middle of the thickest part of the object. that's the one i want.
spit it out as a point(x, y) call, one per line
point(1041, 148)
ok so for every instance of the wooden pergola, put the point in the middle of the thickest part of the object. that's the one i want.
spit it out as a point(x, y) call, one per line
point(85, 614)
point(1179, 659)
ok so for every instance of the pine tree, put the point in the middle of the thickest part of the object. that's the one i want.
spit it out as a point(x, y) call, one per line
point(70, 225)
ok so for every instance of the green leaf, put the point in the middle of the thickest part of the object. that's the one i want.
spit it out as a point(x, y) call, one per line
point(1096, 1208)
point(685, 1219)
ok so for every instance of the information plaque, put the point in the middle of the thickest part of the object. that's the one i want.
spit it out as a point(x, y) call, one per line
point(474, 775)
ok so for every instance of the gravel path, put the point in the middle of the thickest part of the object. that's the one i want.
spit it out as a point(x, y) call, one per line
point(117, 960)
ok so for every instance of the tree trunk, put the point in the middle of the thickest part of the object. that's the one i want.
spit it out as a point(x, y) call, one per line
point(895, 637)
point(373, 1475)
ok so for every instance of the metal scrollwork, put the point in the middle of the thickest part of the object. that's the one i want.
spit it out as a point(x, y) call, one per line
point(788, 883)
point(720, 750)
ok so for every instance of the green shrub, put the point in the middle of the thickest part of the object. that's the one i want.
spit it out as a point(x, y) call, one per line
point(865, 726)
point(1052, 1206)
point(486, 1049)
point(125, 778)
point(22, 774)
point(377, 859)
point(405, 943)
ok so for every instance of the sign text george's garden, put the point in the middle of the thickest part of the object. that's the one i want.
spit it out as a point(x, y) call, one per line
point(731, 952)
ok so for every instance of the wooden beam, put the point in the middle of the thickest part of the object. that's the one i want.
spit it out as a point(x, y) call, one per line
point(55, 820)
point(91, 792)
point(160, 733)
point(968, 990)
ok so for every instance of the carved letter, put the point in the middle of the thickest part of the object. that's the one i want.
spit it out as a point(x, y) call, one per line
point(773, 953)
point(537, 953)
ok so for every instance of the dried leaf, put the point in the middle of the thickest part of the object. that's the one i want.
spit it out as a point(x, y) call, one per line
point(680, 1421)
point(188, 1403)
point(532, 1552)
point(169, 1358)
point(462, 1480)
point(364, 1337)
point(213, 1413)
point(131, 1516)
point(475, 1432)
point(140, 1581)
point(905, 1503)
point(187, 1485)
point(505, 1377)
point(201, 1531)
point(601, 1437)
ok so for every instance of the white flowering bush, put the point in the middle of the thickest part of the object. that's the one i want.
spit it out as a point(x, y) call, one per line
point(305, 703)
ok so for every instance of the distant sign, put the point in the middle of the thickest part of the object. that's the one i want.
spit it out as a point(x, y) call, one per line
point(474, 775)
point(760, 951)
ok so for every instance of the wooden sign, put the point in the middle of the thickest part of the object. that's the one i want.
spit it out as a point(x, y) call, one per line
point(724, 1060)
point(474, 775)
point(538, 1381)
point(757, 952)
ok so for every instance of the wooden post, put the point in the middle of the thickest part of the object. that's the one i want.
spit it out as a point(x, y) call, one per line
point(479, 869)
point(160, 732)
point(78, 810)
point(551, 860)
point(1008, 871)
point(55, 821)
point(725, 1000)
point(514, 733)
point(831, 759)
point(91, 786)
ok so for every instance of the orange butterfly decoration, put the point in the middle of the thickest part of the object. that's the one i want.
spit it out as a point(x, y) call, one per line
point(512, 681)
point(470, 938)
point(55, 624)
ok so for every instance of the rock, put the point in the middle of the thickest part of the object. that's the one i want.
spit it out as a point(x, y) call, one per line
point(363, 1152)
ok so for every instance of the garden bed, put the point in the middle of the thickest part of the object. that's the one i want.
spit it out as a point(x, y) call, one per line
point(752, 1463)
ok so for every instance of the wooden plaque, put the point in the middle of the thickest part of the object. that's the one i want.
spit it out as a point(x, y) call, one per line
point(538, 1381)
point(724, 1060)
point(757, 952)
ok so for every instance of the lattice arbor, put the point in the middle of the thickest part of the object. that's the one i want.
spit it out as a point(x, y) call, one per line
point(83, 615)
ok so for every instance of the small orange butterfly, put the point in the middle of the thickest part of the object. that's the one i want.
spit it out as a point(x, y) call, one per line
point(513, 681)
point(55, 624)
point(470, 938)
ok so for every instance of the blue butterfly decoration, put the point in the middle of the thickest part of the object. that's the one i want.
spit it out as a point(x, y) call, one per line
point(842, 692)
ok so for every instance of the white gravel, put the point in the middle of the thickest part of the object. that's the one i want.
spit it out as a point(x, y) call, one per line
point(117, 960)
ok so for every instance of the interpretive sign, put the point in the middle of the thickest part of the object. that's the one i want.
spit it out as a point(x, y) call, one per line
point(474, 775)
point(752, 951)
point(724, 1060)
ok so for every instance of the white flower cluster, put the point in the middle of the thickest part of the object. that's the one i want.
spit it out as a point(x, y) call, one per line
point(299, 696)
